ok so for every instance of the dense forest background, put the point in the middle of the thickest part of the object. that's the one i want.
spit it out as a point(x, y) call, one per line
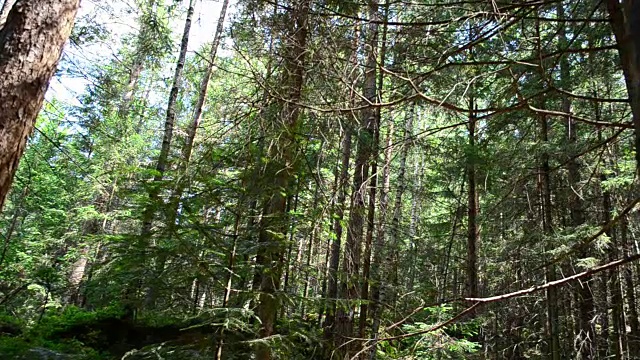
point(331, 179)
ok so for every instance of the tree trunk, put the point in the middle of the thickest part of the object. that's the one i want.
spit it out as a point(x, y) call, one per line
point(161, 165)
point(365, 141)
point(378, 287)
point(163, 158)
point(334, 262)
point(31, 43)
point(192, 129)
point(204, 86)
point(613, 285)
point(546, 205)
point(386, 285)
point(473, 232)
point(633, 340)
point(547, 227)
point(371, 214)
point(339, 206)
point(625, 21)
point(4, 10)
point(284, 163)
point(413, 225)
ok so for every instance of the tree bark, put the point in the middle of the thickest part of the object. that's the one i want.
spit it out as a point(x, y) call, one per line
point(31, 43)
point(385, 285)
point(4, 10)
point(192, 129)
point(625, 21)
point(378, 286)
point(546, 205)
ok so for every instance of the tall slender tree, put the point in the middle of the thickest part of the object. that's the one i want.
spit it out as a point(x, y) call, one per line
point(273, 223)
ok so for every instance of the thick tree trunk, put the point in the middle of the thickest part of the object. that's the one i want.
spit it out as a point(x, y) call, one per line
point(625, 21)
point(31, 43)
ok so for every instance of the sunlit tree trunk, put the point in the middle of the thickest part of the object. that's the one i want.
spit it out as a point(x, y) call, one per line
point(163, 158)
point(31, 43)
point(4, 10)
point(202, 95)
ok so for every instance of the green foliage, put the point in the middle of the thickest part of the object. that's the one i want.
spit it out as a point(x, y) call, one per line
point(457, 341)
